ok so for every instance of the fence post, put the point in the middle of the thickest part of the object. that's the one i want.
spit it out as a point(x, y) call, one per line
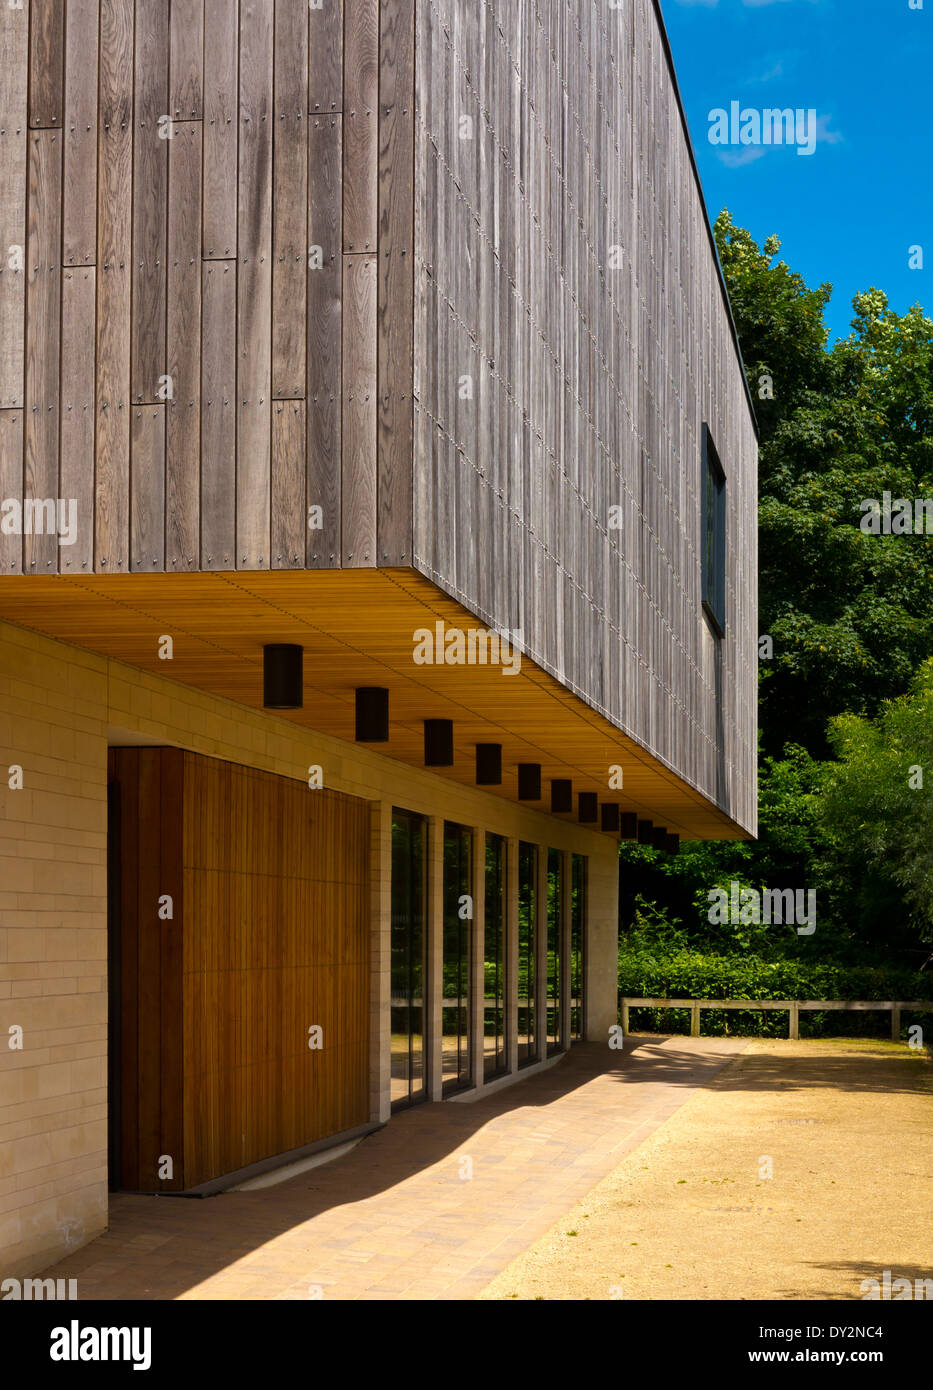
point(625, 1018)
point(793, 1030)
point(895, 1025)
point(694, 1019)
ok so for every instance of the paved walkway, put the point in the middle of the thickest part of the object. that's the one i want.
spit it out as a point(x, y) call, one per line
point(404, 1215)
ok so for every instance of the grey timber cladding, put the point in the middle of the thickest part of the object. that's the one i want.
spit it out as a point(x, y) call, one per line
point(571, 338)
point(438, 270)
point(206, 307)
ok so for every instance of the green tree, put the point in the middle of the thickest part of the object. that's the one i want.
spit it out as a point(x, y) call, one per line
point(851, 619)
point(849, 612)
point(877, 813)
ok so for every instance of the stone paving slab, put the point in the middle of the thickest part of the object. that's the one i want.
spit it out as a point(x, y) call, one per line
point(394, 1218)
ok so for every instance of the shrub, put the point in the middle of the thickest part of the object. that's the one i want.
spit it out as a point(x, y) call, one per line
point(685, 974)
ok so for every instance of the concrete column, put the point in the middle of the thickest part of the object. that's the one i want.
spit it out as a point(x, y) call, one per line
point(477, 954)
point(380, 1016)
point(566, 885)
point(601, 938)
point(434, 976)
point(511, 952)
point(541, 954)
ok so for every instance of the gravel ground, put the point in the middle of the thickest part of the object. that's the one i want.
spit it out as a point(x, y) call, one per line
point(844, 1128)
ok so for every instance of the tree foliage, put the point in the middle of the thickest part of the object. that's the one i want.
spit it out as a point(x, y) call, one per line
point(850, 613)
point(878, 807)
point(846, 701)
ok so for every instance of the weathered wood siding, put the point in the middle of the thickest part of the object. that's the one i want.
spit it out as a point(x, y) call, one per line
point(206, 281)
point(434, 276)
point(571, 337)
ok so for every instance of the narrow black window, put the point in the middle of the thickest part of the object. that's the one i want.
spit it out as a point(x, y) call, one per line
point(714, 535)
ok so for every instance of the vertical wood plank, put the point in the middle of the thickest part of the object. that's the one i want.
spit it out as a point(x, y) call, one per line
point(358, 455)
point(150, 200)
point(325, 57)
point(395, 349)
point(325, 330)
point(218, 414)
point(183, 349)
point(123, 768)
point(254, 288)
point(290, 201)
point(14, 74)
point(11, 485)
point(43, 343)
point(148, 982)
point(288, 485)
point(171, 942)
point(46, 62)
point(260, 971)
point(360, 125)
point(147, 493)
point(114, 252)
point(221, 127)
point(76, 470)
point(186, 60)
point(79, 218)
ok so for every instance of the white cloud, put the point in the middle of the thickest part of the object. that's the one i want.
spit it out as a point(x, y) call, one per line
point(734, 159)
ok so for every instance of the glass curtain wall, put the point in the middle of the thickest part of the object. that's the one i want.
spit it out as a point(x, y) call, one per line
point(555, 895)
point(495, 994)
point(527, 1023)
point(409, 866)
point(457, 938)
point(577, 946)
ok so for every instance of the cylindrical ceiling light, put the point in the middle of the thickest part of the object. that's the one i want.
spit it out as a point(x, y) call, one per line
point(438, 743)
point(372, 714)
point(282, 684)
point(529, 781)
point(489, 764)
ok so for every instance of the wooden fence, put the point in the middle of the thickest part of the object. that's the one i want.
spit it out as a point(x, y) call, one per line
point(791, 1006)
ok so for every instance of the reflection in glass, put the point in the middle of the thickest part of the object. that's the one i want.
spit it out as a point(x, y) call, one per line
point(495, 990)
point(409, 861)
point(577, 945)
point(527, 878)
point(555, 886)
point(458, 923)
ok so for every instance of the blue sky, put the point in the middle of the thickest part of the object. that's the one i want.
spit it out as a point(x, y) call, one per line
point(850, 212)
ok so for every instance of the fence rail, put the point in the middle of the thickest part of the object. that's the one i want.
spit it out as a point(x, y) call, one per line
point(791, 1006)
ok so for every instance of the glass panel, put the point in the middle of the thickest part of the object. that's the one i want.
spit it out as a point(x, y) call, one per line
point(555, 885)
point(495, 992)
point(458, 922)
point(714, 534)
point(577, 945)
point(409, 862)
point(527, 872)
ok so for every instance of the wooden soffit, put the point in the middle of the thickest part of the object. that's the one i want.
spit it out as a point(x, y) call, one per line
point(356, 627)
